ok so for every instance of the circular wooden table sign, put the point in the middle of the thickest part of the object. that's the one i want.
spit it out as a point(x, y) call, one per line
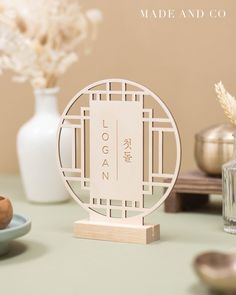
point(125, 158)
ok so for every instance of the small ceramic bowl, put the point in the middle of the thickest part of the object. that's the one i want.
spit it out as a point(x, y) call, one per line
point(6, 212)
point(217, 270)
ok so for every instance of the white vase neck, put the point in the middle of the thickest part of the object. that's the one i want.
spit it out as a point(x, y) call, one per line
point(234, 154)
point(46, 101)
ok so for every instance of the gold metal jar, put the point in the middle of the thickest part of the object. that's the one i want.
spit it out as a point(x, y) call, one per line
point(214, 147)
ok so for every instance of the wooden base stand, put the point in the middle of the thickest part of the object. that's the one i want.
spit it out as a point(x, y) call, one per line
point(117, 232)
point(191, 191)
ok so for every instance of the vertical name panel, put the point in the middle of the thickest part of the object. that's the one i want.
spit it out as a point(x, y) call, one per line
point(116, 150)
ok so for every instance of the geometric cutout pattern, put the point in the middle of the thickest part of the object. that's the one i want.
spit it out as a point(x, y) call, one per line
point(157, 124)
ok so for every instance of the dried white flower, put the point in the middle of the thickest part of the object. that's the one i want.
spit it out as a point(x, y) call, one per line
point(227, 102)
point(94, 15)
point(40, 39)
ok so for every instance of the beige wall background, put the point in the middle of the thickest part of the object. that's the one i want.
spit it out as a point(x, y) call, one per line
point(178, 59)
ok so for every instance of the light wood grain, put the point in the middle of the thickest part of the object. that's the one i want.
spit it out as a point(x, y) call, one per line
point(117, 233)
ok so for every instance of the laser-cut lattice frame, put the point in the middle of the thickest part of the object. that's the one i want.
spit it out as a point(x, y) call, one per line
point(106, 204)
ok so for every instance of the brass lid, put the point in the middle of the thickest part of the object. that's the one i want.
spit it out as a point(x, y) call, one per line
point(221, 133)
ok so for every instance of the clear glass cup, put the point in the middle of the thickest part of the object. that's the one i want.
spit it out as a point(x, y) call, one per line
point(229, 193)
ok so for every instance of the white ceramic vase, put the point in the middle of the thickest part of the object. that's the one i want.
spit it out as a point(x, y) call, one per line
point(37, 150)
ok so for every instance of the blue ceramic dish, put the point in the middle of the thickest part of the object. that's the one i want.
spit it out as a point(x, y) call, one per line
point(18, 227)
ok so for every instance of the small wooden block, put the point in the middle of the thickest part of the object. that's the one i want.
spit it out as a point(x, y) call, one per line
point(117, 232)
point(196, 182)
point(191, 191)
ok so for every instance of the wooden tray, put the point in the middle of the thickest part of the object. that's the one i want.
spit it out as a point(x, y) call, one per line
point(192, 190)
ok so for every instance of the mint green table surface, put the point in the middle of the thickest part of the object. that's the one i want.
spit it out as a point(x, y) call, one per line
point(50, 261)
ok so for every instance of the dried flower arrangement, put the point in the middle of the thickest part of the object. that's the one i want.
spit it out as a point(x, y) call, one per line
point(40, 39)
point(227, 102)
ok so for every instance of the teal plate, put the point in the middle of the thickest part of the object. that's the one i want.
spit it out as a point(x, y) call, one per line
point(18, 227)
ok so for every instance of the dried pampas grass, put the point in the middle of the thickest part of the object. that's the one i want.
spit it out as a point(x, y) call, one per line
point(40, 39)
point(227, 102)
